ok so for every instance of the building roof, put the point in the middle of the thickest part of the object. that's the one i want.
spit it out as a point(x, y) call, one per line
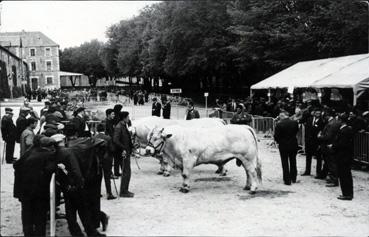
point(28, 39)
point(342, 72)
point(12, 54)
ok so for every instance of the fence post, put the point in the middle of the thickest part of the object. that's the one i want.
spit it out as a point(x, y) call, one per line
point(52, 205)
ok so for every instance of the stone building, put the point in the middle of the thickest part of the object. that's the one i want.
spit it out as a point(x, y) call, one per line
point(40, 53)
point(13, 74)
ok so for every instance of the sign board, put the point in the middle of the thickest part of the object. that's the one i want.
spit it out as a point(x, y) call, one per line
point(176, 91)
point(206, 94)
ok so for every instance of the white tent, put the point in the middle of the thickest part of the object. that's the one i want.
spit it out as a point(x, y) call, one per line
point(342, 72)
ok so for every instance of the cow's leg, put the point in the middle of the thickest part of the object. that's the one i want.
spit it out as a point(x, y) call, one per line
point(186, 178)
point(167, 168)
point(248, 181)
point(251, 175)
point(221, 170)
point(162, 165)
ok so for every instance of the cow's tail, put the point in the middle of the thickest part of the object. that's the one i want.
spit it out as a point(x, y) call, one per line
point(258, 163)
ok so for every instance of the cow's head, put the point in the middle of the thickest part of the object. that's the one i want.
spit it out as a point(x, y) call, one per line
point(156, 141)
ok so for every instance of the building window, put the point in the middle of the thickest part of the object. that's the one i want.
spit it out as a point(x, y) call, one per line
point(33, 66)
point(48, 65)
point(49, 80)
point(32, 52)
point(47, 52)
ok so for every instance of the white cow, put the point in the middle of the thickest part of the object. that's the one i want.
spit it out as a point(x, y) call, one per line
point(142, 127)
point(190, 147)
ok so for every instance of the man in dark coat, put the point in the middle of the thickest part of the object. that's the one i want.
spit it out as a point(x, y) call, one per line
point(156, 108)
point(79, 122)
point(31, 185)
point(166, 108)
point(325, 138)
point(106, 158)
point(191, 112)
point(123, 142)
point(343, 150)
point(285, 135)
point(9, 134)
point(241, 117)
point(313, 125)
point(21, 122)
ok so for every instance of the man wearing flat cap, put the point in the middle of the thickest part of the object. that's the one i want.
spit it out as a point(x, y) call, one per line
point(122, 140)
point(79, 121)
point(241, 117)
point(8, 132)
point(156, 108)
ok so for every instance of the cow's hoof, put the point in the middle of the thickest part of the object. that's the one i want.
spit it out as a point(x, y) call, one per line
point(224, 173)
point(217, 171)
point(247, 188)
point(252, 192)
point(160, 173)
point(166, 175)
point(184, 190)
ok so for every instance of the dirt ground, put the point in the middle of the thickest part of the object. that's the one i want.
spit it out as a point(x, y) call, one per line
point(218, 206)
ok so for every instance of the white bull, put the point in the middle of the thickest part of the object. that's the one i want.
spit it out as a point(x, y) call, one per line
point(142, 127)
point(190, 147)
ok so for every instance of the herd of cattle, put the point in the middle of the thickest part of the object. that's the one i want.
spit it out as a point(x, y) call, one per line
point(189, 143)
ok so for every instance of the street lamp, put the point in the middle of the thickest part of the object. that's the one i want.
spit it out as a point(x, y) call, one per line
point(367, 3)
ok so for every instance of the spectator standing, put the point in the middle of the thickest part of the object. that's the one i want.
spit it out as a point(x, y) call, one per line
point(327, 137)
point(79, 122)
point(285, 135)
point(106, 158)
point(31, 185)
point(343, 150)
point(9, 134)
point(314, 124)
point(156, 108)
point(166, 108)
point(241, 117)
point(27, 135)
point(191, 112)
point(123, 141)
point(21, 122)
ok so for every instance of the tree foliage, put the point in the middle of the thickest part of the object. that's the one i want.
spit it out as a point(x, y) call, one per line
point(223, 45)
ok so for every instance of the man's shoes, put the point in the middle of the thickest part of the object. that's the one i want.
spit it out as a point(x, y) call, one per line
point(319, 177)
point(346, 198)
point(127, 195)
point(111, 197)
point(331, 185)
point(296, 181)
point(105, 223)
point(305, 174)
point(287, 183)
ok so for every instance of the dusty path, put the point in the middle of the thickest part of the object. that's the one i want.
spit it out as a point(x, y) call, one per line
point(218, 205)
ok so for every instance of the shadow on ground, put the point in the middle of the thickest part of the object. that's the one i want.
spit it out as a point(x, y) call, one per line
point(213, 179)
point(266, 194)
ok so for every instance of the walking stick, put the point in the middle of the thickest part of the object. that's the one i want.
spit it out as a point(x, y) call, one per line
point(115, 186)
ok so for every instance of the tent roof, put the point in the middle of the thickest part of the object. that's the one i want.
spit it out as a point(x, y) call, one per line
point(342, 72)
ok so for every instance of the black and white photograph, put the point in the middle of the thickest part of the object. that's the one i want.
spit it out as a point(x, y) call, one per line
point(184, 118)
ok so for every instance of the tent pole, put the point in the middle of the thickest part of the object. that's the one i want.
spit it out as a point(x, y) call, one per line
point(355, 97)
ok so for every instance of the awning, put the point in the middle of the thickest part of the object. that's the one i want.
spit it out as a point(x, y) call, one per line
point(342, 72)
point(68, 74)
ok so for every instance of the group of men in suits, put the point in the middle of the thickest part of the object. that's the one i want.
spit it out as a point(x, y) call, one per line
point(328, 138)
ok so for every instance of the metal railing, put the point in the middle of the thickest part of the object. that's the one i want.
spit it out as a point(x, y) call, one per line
point(52, 206)
point(361, 147)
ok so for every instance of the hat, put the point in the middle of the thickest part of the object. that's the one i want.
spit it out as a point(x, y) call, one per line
point(58, 137)
point(8, 111)
point(78, 110)
point(123, 115)
point(154, 99)
point(47, 102)
point(51, 125)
